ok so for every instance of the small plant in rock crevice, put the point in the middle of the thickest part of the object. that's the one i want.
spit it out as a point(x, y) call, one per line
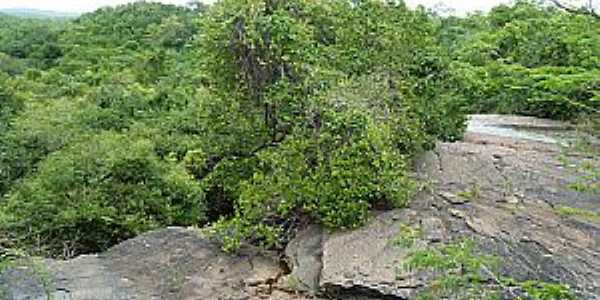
point(28, 266)
point(407, 236)
point(578, 157)
point(578, 213)
point(472, 193)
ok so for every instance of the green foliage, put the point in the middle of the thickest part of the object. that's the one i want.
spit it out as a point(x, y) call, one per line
point(41, 129)
point(371, 32)
point(537, 290)
point(123, 26)
point(10, 65)
point(33, 41)
point(578, 157)
point(551, 92)
point(92, 98)
point(407, 236)
point(313, 120)
point(459, 269)
point(527, 59)
point(463, 273)
point(97, 192)
point(335, 174)
point(578, 213)
point(9, 104)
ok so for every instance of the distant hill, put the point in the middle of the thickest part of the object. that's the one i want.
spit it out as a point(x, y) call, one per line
point(36, 13)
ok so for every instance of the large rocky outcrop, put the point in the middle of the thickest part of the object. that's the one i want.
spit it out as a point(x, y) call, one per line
point(502, 186)
point(173, 263)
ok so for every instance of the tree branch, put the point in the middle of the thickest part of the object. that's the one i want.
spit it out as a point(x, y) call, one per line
point(580, 11)
point(214, 161)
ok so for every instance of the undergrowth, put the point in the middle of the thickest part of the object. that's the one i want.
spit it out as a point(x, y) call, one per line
point(461, 272)
point(578, 213)
point(28, 266)
point(580, 157)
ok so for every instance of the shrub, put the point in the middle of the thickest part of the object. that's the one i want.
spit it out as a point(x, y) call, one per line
point(40, 129)
point(529, 59)
point(547, 92)
point(312, 120)
point(95, 193)
point(349, 155)
point(463, 272)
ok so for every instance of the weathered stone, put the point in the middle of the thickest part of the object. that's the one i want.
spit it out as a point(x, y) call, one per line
point(457, 213)
point(173, 263)
point(366, 260)
point(433, 229)
point(304, 259)
point(452, 198)
point(511, 199)
point(21, 284)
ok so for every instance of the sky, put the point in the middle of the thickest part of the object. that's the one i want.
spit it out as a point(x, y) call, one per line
point(78, 6)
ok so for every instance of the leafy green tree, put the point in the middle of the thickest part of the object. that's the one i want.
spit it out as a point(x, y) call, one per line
point(97, 192)
point(32, 40)
point(531, 60)
point(311, 121)
point(102, 102)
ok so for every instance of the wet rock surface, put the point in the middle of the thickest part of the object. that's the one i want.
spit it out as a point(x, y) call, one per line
point(501, 186)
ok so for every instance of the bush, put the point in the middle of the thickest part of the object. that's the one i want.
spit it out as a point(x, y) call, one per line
point(548, 92)
point(95, 193)
point(9, 104)
point(312, 120)
point(10, 65)
point(40, 129)
point(350, 155)
point(531, 60)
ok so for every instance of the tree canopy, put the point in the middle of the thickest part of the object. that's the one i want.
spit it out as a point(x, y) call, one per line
point(252, 117)
point(529, 60)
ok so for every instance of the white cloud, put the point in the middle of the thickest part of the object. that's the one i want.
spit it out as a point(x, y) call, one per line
point(71, 5)
point(460, 6)
point(90, 5)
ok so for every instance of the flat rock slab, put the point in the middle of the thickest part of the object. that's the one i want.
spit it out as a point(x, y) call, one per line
point(513, 121)
point(174, 263)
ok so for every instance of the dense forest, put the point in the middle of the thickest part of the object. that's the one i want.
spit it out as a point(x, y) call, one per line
point(250, 118)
